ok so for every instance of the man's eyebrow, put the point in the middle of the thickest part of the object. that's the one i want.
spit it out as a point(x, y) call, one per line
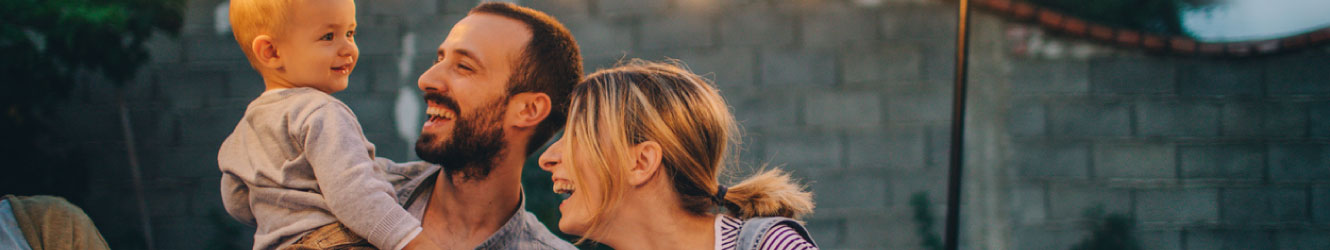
point(463, 53)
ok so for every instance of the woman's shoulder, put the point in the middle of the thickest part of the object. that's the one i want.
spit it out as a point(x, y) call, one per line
point(774, 233)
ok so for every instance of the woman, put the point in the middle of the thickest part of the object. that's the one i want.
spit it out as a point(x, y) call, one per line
point(640, 159)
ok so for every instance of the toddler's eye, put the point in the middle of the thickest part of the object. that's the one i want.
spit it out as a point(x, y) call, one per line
point(351, 33)
point(327, 37)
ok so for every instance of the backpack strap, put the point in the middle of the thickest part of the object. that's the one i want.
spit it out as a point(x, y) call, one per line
point(753, 230)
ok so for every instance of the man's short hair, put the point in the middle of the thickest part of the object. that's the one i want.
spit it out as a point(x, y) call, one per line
point(551, 63)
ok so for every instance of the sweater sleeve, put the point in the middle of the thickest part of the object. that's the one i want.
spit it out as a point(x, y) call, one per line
point(344, 167)
point(235, 197)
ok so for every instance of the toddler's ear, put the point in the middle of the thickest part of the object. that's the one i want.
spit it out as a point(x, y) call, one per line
point(265, 52)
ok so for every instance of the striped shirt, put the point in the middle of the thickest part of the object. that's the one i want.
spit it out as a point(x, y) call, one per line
point(780, 237)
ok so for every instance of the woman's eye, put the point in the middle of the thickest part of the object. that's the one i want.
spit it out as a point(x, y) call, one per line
point(327, 37)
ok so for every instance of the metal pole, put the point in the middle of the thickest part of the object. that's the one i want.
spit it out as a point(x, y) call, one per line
point(957, 128)
point(136, 175)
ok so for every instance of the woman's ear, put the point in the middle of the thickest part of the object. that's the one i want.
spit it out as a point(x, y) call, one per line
point(265, 52)
point(646, 163)
point(531, 108)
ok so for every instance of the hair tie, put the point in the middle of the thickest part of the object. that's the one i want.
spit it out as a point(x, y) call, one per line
point(720, 194)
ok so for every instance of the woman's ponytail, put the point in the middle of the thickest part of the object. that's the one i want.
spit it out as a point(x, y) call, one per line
point(769, 193)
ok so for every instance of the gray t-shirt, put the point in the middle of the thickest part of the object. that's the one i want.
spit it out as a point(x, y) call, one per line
point(298, 160)
point(522, 231)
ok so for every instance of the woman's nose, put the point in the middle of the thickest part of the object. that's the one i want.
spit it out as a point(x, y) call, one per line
point(552, 156)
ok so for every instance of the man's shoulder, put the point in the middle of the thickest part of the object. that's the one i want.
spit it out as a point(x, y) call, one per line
point(540, 236)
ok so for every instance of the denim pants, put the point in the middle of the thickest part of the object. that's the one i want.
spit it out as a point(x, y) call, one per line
point(333, 236)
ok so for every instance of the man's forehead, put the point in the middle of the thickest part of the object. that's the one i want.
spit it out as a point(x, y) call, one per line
point(487, 34)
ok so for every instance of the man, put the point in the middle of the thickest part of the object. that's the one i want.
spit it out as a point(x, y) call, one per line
point(497, 91)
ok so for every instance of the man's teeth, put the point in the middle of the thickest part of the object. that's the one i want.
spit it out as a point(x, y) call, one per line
point(440, 113)
point(563, 188)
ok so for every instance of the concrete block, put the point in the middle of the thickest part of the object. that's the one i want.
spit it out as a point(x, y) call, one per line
point(1229, 239)
point(1265, 119)
point(756, 109)
point(208, 126)
point(1185, 205)
point(1159, 240)
point(929, 23)
point(757, 26)
point(850, 191)
point(1135, 161)
point(192, 89)
point(838, 109)
point(677, 31)
point(380, 36)
point(1028, 118)
point(896, 148)
point(396, 8)
point(834, 25)
point(1028, 204)
point(807, 69)
point(184, 232)
point(619, 8)
point(803, 149)
point(181, 162)
point(164, 49)
point(939, 145)
point(1299, 162)
point(457, 6)
point(1303, 239)
point(168, 197)
point(200, 17)
point(1319, 121)
point(728, 68)
point(1320, 205)
point(1297, 75)
point(871, 63)
point(1105, 119)
point(207, 198)
point(1121, 76)
point(1234, 161)
point(1031, 237)
point(1245, 206)
point(1052, 160)
point(1177, 119)
point(562, 8)
point(828, 233)
point(245, 83)
point(430, 32)
point(1049, 77)
point(1071, 201)
point(1220, 78)
point(211, 48)
point(927, 105)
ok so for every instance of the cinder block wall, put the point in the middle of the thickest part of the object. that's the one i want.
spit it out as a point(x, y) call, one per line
point(852, 96)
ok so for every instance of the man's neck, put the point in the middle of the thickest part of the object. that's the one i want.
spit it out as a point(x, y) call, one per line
point(465, 212)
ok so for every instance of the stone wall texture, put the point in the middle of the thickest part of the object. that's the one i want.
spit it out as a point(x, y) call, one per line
point(853, 97)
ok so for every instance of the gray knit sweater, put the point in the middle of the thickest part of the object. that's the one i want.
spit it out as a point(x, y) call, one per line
point(299, 160)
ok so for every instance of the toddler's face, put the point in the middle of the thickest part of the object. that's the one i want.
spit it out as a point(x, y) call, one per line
point(319, 48)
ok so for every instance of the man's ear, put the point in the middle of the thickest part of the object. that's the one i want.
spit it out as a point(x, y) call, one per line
point(265, 52)
point(530, 109)
point(646, 163)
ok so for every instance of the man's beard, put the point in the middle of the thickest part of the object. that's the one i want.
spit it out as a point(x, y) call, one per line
point(476, 141)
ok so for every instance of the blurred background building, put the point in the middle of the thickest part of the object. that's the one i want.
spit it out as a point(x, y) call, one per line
point(1072, 140)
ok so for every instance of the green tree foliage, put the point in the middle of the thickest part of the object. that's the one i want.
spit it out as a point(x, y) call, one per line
point(925, 221)
point(47, 43)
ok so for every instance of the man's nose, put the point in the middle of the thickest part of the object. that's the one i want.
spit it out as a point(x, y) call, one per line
point(432, 80)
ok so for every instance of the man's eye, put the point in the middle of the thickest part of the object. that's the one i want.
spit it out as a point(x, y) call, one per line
point(464, 68)
point(438, 59)
point(327, 37)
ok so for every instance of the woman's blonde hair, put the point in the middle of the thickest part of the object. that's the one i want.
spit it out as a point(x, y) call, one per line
point(615, 109)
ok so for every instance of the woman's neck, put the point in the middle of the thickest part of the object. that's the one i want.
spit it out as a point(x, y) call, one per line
point(658, 224)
